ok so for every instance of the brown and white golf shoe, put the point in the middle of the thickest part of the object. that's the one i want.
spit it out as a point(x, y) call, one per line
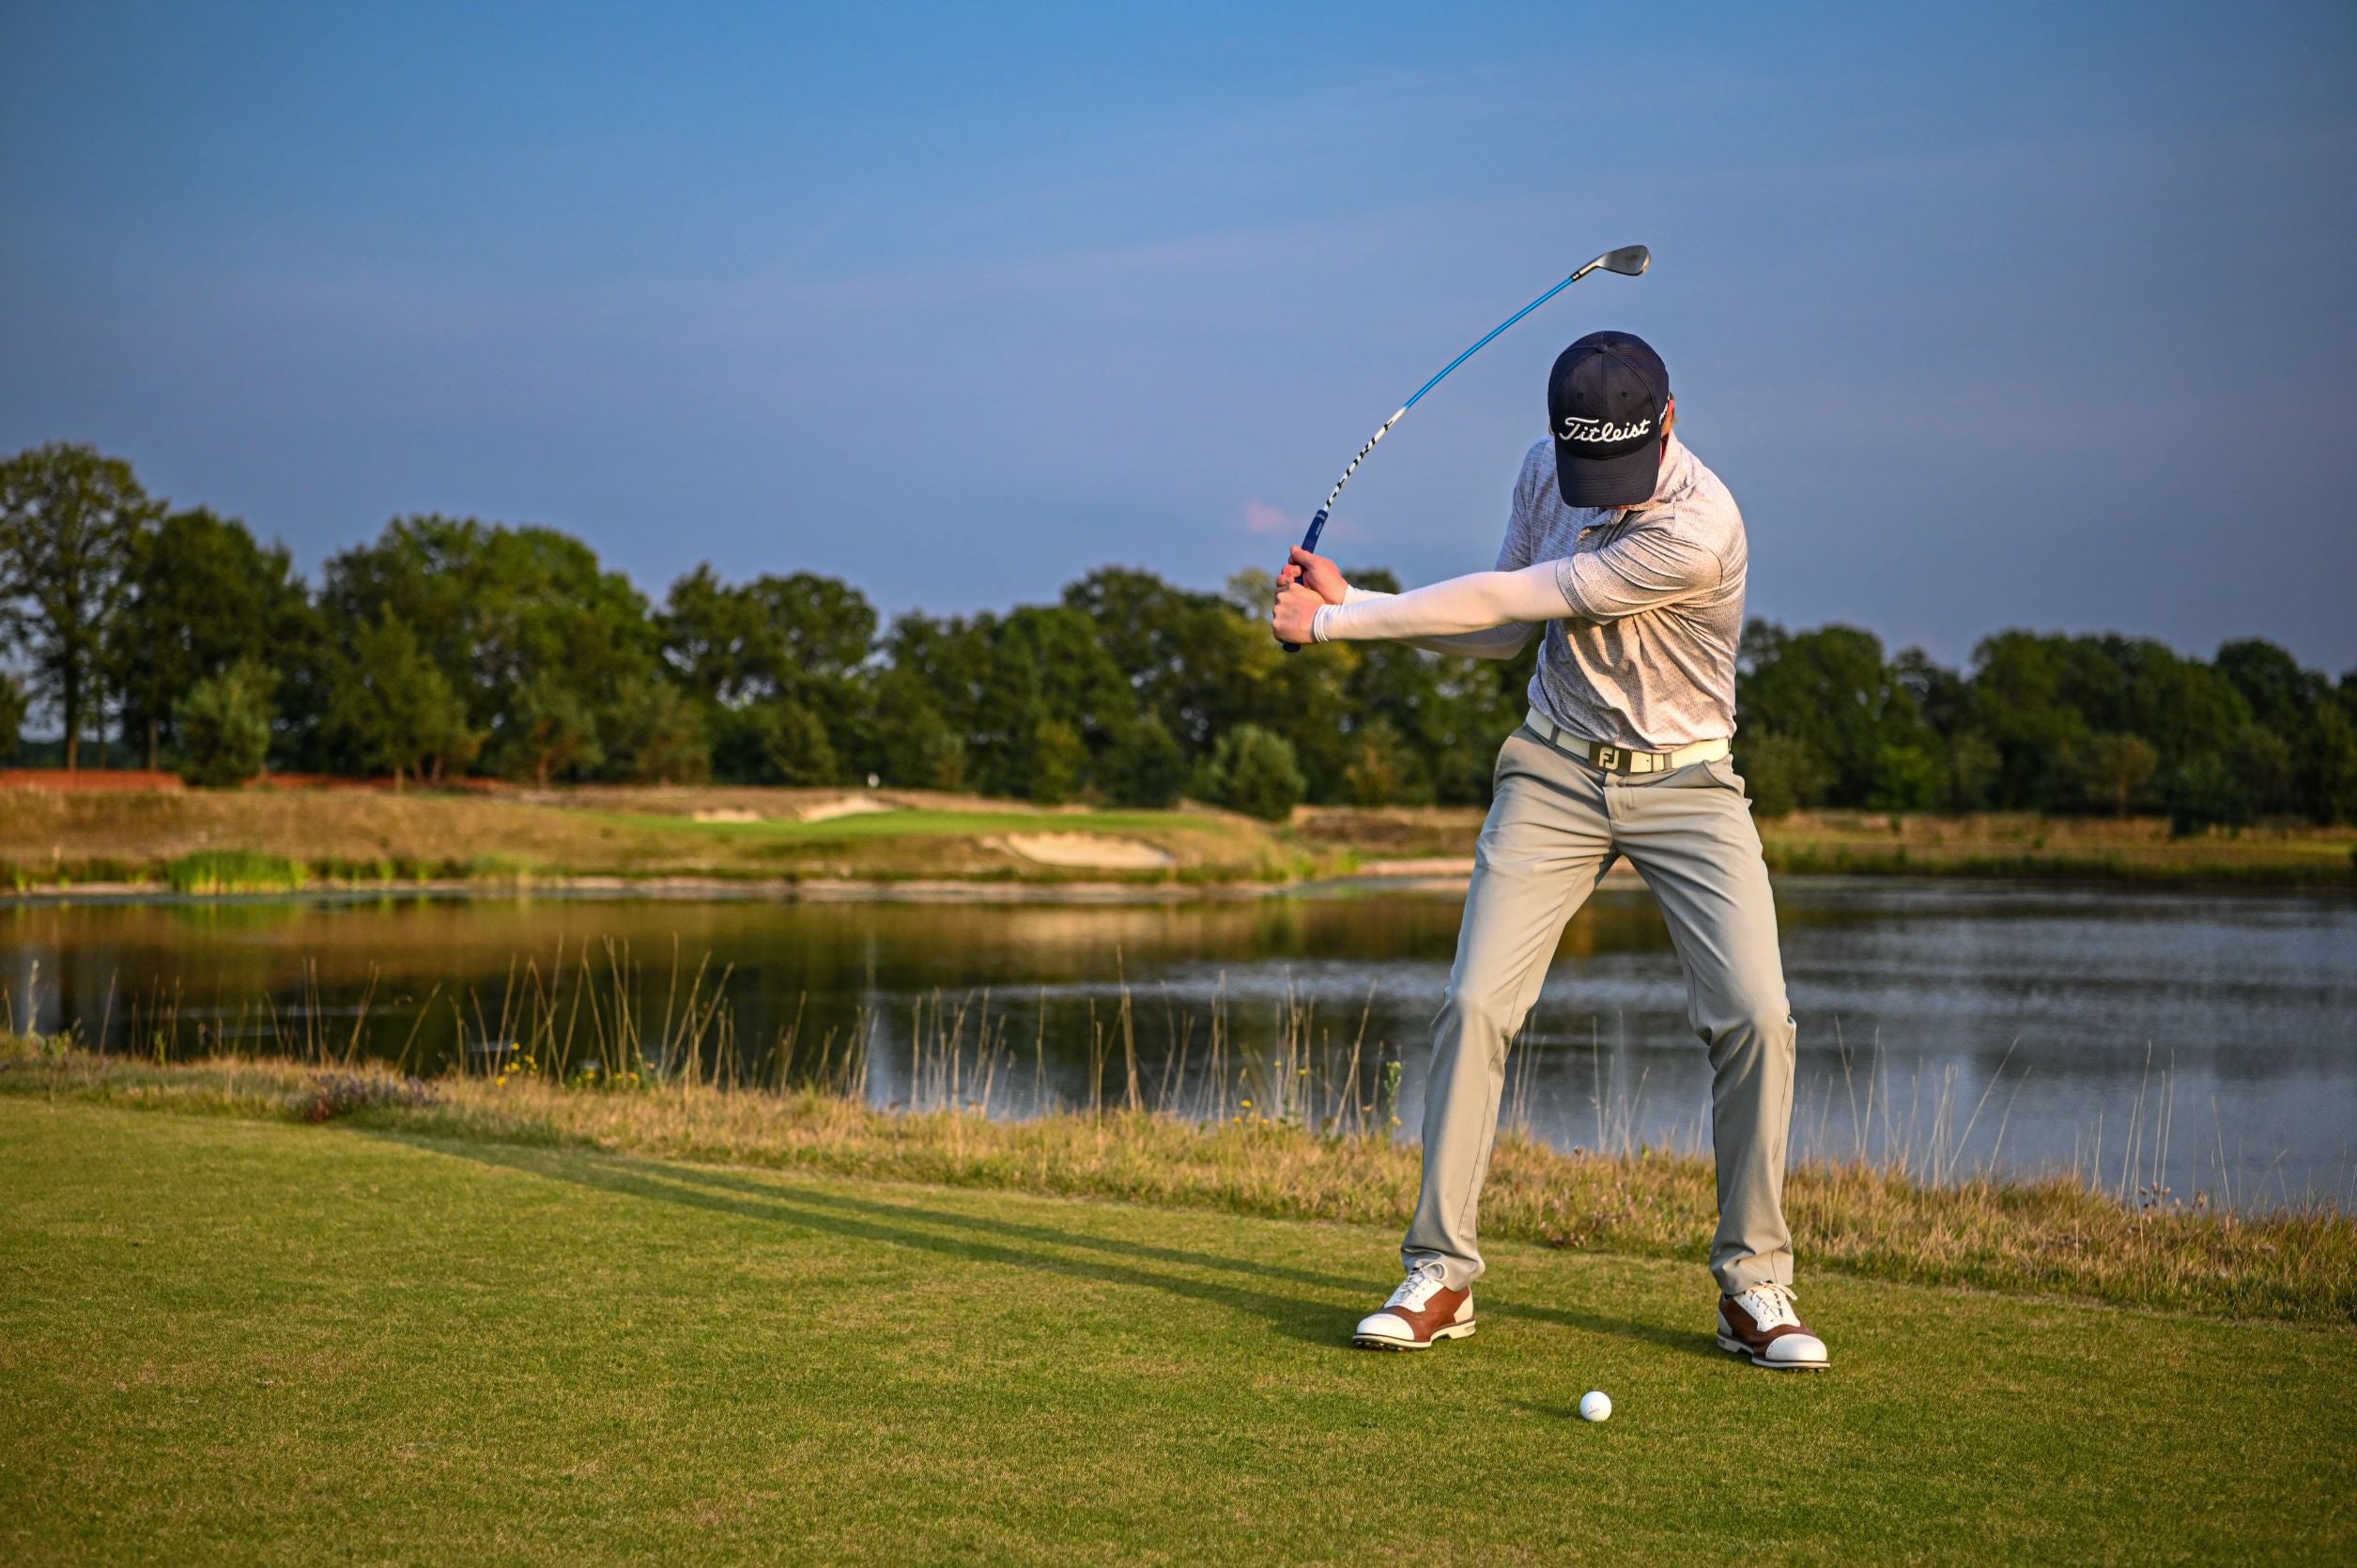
point(1421, 1311)
point(1759, 1324)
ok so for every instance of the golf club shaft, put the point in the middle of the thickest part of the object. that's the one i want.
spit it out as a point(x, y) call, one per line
point(1317, 523)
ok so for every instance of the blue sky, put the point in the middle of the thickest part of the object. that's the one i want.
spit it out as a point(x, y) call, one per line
point(2024, 316)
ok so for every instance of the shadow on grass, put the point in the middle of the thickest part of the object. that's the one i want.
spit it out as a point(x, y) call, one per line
point(975, 1238)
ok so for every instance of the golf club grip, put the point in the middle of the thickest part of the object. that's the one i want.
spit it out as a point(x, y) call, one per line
point(1309, 543)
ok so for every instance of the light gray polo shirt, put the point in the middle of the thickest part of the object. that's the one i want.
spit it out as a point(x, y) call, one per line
point(1648, 658)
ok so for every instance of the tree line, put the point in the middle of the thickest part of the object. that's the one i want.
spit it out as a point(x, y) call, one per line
point(448, 647)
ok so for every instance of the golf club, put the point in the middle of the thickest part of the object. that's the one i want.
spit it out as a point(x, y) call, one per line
point(1628, 261)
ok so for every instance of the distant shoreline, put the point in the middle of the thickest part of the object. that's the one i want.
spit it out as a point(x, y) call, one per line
point(1110, 894)
point(916, 846)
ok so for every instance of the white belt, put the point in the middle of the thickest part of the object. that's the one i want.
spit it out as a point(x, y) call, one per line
point(1619, 759)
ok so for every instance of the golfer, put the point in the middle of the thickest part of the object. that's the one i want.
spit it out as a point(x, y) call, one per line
point(1629, 553)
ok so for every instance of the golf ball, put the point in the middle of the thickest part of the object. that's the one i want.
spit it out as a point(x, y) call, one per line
point(1596, 1405)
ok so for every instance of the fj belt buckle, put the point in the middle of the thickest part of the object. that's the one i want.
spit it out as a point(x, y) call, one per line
point(1609, 758)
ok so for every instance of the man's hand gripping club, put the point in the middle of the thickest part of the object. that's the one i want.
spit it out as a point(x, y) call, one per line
point(1306, 583)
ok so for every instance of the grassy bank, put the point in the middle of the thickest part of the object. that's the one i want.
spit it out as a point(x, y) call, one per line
point(260, 840)
point(2053, 1236)
point(238, 1340)
point(1991, 844)
point(267, 840)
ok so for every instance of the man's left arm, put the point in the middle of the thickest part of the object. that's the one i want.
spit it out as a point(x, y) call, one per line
point(1477, 603)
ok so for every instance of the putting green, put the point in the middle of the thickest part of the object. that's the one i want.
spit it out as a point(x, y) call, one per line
point(255, 1341)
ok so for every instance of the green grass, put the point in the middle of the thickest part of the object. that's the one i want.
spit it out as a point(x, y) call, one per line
point(237, 1340)
point(371, 837)
point(234, 872)
point(2054, 1235)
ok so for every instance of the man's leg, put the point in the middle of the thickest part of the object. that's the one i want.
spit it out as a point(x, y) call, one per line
point(1689, 834)
point(1543, 849)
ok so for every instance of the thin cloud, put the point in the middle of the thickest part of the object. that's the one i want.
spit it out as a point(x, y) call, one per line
point(1260, 517)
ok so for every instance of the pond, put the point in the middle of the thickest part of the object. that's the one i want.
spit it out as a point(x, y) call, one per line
point(2181, 1041)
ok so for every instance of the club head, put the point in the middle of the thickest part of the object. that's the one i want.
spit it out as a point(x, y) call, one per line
point(1628, 261)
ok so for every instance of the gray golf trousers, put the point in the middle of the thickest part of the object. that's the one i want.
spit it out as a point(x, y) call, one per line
point(1555, 825)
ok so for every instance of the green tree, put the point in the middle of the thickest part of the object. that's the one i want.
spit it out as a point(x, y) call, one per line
point(13, 703)
point(655, 734)
point(223, 724)
point(1144, 766)
point(2019, 710)
point(391, 706)
point(708, 633)
point(1974, 769)
point(777, 741)
point(1432, 723)
point(731, 645)
point(2116, 769)
point(2266, 763)
point(2278, 692)
point(1780, 774)
point(905, 738)
point(802, 638)
point(505, 614)
point(1059, 759)
point(1381, 772)
point(203, 597)
point(1253, 770)
point(1194, 660)
point(1831, 690)
point(1909, 776)
point(2328, 764)
point(2204, 790)
point(548, 731)
point(1045, 665)
point(67, 519)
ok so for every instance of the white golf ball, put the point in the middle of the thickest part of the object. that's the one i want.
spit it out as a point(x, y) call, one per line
point(1596, 1405)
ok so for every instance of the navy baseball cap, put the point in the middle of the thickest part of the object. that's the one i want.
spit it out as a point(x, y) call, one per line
point(1606, 399)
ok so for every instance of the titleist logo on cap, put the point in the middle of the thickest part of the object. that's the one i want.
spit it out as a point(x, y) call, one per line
point(1578, 429)
point(1607, 404)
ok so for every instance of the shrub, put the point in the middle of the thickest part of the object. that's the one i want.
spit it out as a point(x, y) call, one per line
point(329, 1095)
point(223, 725)
point(209, 871)
point(1253, 770)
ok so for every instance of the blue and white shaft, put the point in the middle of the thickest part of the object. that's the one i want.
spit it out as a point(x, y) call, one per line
point(1631, 259)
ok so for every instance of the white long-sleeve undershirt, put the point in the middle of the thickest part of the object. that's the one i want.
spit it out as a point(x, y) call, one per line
point(1483, 615)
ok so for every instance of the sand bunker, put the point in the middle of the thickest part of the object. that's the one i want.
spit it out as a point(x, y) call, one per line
point(729, 814)
point(849, 805)
point(1089, 849)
